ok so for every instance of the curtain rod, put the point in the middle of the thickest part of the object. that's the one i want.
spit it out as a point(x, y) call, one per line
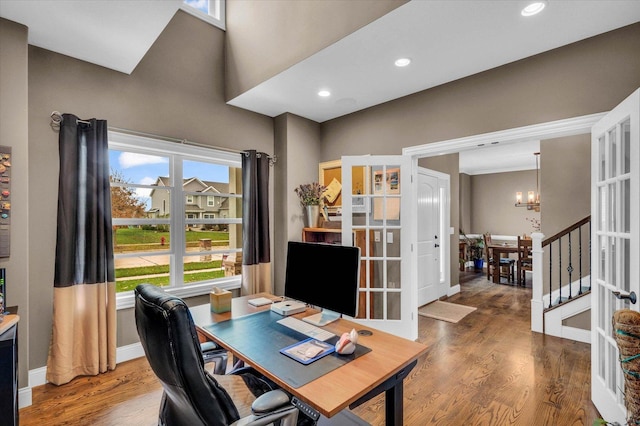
point(56, 120)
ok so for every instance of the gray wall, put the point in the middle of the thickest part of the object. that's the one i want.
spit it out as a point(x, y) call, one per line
point(465, 203)
point(493, 198)
point(297, 145)
point(566, 181)
point(14, 133)
point(176, 91)
point(265, 38)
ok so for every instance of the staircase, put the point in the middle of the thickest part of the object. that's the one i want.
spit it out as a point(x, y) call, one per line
point(562, 282)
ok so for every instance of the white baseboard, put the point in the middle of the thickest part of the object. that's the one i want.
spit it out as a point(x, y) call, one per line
point(129, 352)
point(24, 397)
point(453, 290)
point(38, 376)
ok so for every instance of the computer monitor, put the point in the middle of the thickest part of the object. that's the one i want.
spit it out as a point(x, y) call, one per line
point(326, 276)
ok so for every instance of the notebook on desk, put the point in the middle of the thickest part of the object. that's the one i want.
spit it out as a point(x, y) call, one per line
point(308, 351)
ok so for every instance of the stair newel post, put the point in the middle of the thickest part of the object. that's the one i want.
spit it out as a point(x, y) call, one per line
point(537, 304)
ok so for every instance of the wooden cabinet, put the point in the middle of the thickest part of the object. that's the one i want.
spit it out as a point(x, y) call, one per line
point(9, 370)
point(334, 236)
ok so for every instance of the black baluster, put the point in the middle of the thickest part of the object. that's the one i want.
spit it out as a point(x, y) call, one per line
point(590, 236)
point(570, 267)
point(560, 269)
point(550, 273)
point(580, 258)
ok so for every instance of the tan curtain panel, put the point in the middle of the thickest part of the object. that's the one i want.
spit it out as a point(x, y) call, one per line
point(83, 340)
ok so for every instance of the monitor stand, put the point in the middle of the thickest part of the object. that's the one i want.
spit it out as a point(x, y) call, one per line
point(323, 318)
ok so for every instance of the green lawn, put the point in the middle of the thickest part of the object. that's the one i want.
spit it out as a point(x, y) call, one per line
point(163, 281)
point(164, 269)
point(124, 236)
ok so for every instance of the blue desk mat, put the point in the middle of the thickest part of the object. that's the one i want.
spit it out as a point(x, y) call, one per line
point(267, 338)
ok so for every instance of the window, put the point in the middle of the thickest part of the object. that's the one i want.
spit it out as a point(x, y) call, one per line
point(211, 201)
point(211, 11)
point(161, 234)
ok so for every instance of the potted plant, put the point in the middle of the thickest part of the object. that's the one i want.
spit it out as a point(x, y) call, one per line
point(311, 195)
point(475, 250)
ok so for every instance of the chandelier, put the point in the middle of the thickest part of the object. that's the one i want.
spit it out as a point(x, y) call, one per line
point(533, 197)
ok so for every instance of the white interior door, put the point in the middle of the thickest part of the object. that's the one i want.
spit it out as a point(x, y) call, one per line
point(382, 212)
point(615, 259)
point(428, 256)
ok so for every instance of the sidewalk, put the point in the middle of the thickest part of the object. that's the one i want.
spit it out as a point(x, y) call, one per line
point(162, 259)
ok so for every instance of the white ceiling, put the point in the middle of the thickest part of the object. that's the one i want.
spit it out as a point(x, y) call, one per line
point(446, 40)
point(115, 34)
point(503, 157)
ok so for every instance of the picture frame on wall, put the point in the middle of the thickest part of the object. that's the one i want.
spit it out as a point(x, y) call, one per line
point(386, 183)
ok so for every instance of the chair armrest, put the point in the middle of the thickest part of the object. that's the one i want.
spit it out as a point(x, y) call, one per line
point(269, 407)
point(269, 402)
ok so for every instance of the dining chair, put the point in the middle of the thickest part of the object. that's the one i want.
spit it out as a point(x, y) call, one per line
point(503, 265)
point(525, 259)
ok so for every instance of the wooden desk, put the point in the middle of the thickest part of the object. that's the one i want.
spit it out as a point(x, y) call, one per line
point(383, 369)
point(497, 250)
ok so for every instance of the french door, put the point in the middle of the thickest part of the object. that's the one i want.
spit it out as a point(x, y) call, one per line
point(615, 259)
point(381, 210)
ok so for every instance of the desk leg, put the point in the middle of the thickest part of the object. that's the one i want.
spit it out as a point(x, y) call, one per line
point(394, 405)
point(393, 396)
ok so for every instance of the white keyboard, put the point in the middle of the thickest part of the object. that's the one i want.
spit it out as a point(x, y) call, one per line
point(306, 328)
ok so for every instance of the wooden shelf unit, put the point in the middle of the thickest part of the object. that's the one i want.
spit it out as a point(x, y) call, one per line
point(334, 236)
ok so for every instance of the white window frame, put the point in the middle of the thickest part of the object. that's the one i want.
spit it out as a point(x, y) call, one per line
point(211, 201)
point(176, 153)
point(216, 16)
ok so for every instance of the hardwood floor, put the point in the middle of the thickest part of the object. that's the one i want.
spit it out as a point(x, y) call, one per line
point(488, 369)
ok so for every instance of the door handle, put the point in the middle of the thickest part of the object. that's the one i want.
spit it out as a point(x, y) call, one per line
point(631, 296)
point(437, 245)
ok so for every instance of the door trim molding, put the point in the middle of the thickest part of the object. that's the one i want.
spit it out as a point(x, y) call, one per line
point(551, 129)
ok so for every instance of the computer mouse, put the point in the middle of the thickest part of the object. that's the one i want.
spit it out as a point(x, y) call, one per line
point(312, 351)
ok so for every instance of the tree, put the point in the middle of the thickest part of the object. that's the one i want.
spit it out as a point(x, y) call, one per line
point(124, 202)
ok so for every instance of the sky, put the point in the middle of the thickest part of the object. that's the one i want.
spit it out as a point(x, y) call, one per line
point(145, 169)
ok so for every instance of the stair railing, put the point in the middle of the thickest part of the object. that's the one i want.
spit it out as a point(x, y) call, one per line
point(558, 261)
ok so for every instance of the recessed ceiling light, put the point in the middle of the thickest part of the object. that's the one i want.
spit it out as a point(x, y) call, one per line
point(324, 93)
point(533, 8)
point(402, 62)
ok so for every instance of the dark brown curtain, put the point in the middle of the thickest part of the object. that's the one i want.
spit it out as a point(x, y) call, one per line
point(84, 312)
point(256, 256)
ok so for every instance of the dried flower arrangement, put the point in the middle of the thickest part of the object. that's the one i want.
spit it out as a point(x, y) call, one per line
point(310, 194)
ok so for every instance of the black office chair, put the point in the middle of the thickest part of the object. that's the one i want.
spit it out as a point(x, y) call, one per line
point(191, 395)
